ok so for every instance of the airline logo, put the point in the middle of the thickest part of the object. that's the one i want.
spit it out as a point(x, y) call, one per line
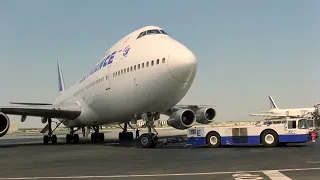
point(103, 63)
point(126, 51)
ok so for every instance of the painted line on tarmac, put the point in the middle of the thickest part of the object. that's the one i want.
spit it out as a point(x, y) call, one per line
point(155, 175)
point(276, 175)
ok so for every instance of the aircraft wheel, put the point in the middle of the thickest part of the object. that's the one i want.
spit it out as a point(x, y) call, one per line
point(213, 139)
point(54, 139)
point(46, 139)
point(101, 136)
point(68, 138)
point(76, 138)
point(269, 138)
point(121, 136)
point(129, 136)
point(93, 137)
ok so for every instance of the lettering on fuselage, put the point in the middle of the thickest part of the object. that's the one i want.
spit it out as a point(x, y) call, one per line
point(103, 63)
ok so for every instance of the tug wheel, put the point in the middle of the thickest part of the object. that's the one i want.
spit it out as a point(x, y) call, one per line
point(213, 139)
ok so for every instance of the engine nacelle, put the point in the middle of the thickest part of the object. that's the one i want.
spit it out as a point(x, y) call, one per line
point(205, 115)
point(4, 124)
point(182, 119)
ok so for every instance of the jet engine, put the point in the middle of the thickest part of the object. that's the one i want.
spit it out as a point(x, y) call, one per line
point(205, 115)
point(182, 119)
point(4, 124)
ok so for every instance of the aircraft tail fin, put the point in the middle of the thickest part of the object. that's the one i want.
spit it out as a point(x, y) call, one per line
point(272, 103)
point(60, 78)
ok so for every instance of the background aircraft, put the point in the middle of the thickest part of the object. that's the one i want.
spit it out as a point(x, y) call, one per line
point(276, 112)
point(144, 74)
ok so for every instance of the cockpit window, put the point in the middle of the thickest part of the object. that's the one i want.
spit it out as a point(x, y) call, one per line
point(163, 32)
point(151, 31)
point(141, 34)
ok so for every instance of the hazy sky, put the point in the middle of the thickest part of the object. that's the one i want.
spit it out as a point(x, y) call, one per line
point(246, 50)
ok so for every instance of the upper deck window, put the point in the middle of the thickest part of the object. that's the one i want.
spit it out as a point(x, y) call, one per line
point(151, 31)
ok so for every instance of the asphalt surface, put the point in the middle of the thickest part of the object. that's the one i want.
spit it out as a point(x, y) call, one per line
point(28, 158)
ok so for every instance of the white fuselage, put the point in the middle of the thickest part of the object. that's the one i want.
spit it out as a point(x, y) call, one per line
point(152, 76)
point(293, 112)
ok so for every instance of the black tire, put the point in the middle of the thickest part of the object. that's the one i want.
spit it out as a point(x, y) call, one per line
point(129, 136)
point(101, 136)
point(45, 139)
point(213, 140)
point(76, 138)
point(154, 141)
point(146, 140)
point(68, 138)
point(269, 138)
point(54, 139)
point(93, 137)
point(121, 136)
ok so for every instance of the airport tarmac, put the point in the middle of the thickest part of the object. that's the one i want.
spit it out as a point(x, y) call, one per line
point(27, 158)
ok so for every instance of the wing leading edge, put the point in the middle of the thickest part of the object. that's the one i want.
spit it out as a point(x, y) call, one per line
point(65, 111)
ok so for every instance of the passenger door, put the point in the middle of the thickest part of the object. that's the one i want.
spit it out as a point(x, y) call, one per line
point(107, 79)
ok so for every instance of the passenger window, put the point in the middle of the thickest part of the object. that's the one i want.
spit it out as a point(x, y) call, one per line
point(124, 71)
point(127, 69)
point(147, 64)
point(121, 71)
point(135, 67)
point(157, 61)
point(152, 62)
point(163, 60)
point(142, 65)
point(106, 77)
point(138, 66)
point(118, 73)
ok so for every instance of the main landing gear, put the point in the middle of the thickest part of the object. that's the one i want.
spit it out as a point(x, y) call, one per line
point(124, 135)
point(97, 136)
point(150, 139)
point(50, 136)
point(72, 137)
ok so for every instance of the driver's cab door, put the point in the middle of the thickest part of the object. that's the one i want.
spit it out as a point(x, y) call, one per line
point(291, 124)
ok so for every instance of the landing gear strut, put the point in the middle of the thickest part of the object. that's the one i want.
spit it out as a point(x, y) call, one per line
point(97, 136)
point(72, 136)
point(50, 136)
point(124, 135)
point(150, 139)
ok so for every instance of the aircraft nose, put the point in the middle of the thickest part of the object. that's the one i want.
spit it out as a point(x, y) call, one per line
point(182, 64)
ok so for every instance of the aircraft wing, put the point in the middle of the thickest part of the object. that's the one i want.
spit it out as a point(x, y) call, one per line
point(64, 111)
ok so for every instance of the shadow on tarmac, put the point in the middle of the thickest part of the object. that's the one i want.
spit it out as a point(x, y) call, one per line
point(173, 142)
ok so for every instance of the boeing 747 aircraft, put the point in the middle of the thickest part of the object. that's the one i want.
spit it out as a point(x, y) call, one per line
point(143, 75)
point(279, 113)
